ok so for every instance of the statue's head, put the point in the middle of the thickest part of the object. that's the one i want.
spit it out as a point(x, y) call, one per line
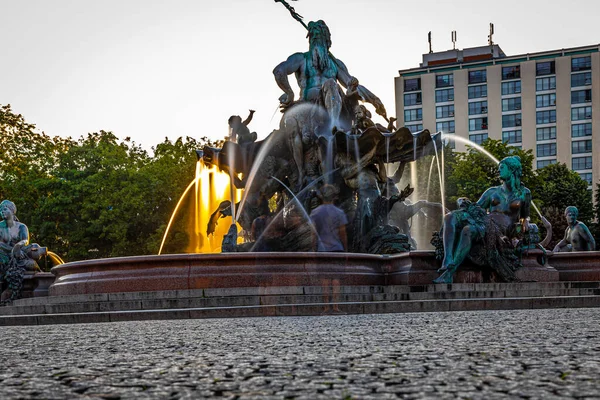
point(318, 34)
point(463, 202)
point(510, 167)
point(573, 211)
point(234, 120)
point(7, 206)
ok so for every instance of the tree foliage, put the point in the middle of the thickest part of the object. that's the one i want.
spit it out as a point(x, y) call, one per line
point(97, 196)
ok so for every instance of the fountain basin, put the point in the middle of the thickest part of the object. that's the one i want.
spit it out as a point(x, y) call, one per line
point(237, 270)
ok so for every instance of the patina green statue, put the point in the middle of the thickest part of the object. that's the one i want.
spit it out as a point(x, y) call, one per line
point(577, 236)
point(17, 256)
point(487, 231)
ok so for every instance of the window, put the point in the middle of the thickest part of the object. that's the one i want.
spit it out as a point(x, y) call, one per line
point(415, 128)
point(413, 115)
point(513, 72)
point(581, 130)
point(478, 124)
point(412, 85)
point(583, 79)
point(479, 76)
point(476, 92)
point(545, 117)
point(478, 107)
point(581, 113)
point(545, 163)
point(581, 146)
point(446, 126)
point(587, 176)
point(579, 163)
point(444, 95)
point(581, 64)
point(478, 138)
point(542, 84)
point(544, 68)
point(512, 136)
point(444, 111)
point(511, 104)
point(545, 100)
point(511, 120)
point(511, 87)
point(548, 133)
point(581, 96)
point(442, 81)
point(547, 149)
point(413, 99)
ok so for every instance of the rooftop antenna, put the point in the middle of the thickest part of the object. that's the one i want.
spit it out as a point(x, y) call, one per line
point(453, 36)
point(429, 40)
point(490, 39)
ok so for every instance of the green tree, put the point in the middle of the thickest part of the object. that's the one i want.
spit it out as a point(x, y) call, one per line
point(97, 196)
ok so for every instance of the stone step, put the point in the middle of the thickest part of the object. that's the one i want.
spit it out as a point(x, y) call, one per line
point(274, 296)
point(509, 290)
point(307, 309)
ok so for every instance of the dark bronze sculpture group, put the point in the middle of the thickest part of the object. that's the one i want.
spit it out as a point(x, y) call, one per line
point(327, 137)
point(327, 144)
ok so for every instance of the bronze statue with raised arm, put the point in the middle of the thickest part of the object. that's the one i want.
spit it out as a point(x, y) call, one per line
point(486, 231)
point(318, 73)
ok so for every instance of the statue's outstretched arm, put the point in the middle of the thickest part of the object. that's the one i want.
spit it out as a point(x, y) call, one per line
point(249, 118)
point(281, 72)
point(345, 78)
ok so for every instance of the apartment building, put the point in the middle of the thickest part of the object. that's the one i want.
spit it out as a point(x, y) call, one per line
point(547, 101)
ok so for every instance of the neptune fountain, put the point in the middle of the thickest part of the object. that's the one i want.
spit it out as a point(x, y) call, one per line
point(327, 139)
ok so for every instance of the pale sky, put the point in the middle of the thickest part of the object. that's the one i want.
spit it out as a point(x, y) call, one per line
point(149, 69)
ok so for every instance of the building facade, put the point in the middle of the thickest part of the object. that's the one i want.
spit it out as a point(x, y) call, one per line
point(548, 102)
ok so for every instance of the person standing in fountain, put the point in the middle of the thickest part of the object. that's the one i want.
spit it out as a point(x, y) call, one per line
point(14, 261)
point(577, 236)
point(484, 231)
point(330, 225)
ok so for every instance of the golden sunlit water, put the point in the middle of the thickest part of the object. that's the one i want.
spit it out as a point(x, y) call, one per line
point(211, 187)
point(56, 260)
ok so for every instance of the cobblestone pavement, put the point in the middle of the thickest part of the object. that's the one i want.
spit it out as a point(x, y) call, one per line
point(479, 355)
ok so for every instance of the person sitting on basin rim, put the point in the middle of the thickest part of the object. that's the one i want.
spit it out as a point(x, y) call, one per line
point(484, 230)
point(577, 236)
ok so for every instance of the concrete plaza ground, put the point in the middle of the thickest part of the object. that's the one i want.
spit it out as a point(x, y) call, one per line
point(551, 353)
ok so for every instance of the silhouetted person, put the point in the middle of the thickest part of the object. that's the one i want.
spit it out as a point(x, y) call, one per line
point(330, 225)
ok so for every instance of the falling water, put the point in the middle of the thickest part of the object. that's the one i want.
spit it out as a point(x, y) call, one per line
point(387, 163)
point(440, 175)
point(433, 159)
point(211, 187)
point(55, 258)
